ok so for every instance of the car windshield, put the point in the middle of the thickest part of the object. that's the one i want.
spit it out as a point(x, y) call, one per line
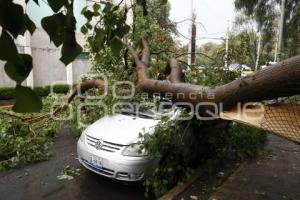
point(148, 114)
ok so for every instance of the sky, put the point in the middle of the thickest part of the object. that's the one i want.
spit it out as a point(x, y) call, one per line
point(214, 15)
point(36, 12)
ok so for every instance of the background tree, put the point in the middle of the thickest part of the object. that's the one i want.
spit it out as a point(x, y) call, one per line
point(265, 13)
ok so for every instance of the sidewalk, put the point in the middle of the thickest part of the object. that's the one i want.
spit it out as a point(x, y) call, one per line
point(275, 176)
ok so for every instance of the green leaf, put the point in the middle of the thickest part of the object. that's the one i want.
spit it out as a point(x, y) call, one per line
point(29, 24)
point(121, 31)
point(54, 26)
point(56, 5)
point(116, 46)
point(139, 2)
point(8, 49)
point(88, 15)
point(70, 49)
point(96, 7)
point(107, 8)
point(84, 30)
point(88, 25)
point(70, 52)
point(36, 1)
point(12, 17)
point(19, 71)
point(97, 42)
point(27, 100)
point(163, 2)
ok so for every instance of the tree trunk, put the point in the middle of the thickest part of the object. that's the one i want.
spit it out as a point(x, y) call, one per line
point(279, 80)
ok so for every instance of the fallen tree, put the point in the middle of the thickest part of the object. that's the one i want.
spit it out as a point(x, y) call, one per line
point(279, 80)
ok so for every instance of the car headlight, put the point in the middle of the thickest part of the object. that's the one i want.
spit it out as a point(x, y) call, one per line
point(135, 150)
point(82, 136)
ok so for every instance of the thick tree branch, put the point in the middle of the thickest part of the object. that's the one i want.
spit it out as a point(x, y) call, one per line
point(79, 89)
point(174, 71)
point(146, 53)
point(282, 79)
point(279, 80)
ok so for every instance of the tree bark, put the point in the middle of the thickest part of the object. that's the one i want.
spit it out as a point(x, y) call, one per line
point(279, 80)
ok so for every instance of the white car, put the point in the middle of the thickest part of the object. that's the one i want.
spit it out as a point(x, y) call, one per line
point(109, 146)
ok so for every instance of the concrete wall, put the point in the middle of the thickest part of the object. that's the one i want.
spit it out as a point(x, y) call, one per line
point(80, 66)
point(4, 79)
point(47, 68)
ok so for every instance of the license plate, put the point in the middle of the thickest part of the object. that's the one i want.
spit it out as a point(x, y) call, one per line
point(97, 162)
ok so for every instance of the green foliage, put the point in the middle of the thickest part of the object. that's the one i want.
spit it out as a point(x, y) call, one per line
point(45, 90)
point(109, 29)
point(56, 5)
point(8, 50)
point(19, 71)
point(87, 111)
point(265, 13)
point(187, 145)
point(9, 93)
point(18, 146)
point(107, 33)
point(167, 144)
point(160, 11)
point(27, 100)
point(84, 115)
point(246, 142)
point(13, 18)
point(210, 76)
point(21, 143)
point(211, 71)
point(242, 50)
point(70, 171)
point(54, 26)
point(243, 47)
point(112, 60)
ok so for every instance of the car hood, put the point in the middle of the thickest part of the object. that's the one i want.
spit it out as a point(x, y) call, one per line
point(121, 129)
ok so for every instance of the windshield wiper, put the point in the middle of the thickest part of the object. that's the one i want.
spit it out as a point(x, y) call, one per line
point(145, 116)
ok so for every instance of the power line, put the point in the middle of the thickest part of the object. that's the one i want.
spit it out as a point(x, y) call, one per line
point(200, 38)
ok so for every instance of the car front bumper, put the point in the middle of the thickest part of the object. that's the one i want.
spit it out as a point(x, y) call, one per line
point(115, 165)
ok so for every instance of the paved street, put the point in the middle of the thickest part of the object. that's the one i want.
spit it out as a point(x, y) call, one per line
point(39, 181)
point(275, 176)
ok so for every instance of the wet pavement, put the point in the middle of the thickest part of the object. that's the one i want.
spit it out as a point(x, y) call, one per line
point(273, 176)
point(6, 102)
point(39, 180)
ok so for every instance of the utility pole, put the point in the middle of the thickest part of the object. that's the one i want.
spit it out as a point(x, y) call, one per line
point(193, 33)
point(193, 40)
point(258, 52)
point(280, 32)
point(226, 47)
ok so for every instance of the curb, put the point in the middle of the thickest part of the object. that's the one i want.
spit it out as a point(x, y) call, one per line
point(6, 107)
point(177, 190)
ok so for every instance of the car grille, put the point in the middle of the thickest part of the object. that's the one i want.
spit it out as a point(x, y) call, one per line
point(107, 146)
